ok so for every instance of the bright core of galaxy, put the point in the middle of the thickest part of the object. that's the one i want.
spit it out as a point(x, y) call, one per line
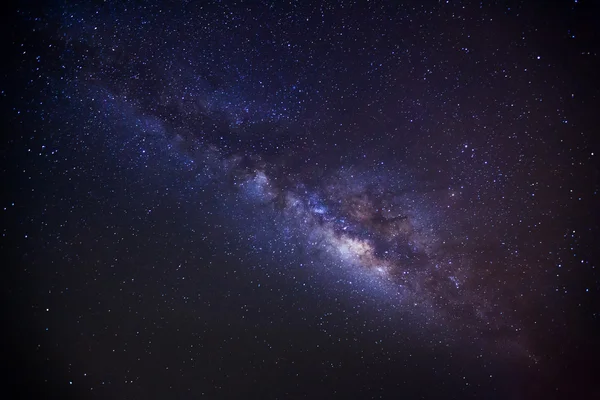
point(375, 229)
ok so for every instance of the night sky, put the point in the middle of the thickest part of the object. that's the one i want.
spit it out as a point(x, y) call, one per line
point(290, 200)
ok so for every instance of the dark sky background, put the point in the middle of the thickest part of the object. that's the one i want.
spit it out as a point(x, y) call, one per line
point(288, 200)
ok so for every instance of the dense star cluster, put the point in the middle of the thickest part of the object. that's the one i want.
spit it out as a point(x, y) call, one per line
point(302, 199)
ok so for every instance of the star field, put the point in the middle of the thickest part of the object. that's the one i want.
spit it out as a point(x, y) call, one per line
point(301, 200)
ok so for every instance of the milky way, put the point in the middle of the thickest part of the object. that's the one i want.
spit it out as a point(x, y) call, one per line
point(430, 164)
point(377, 216)
point(374, 226)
